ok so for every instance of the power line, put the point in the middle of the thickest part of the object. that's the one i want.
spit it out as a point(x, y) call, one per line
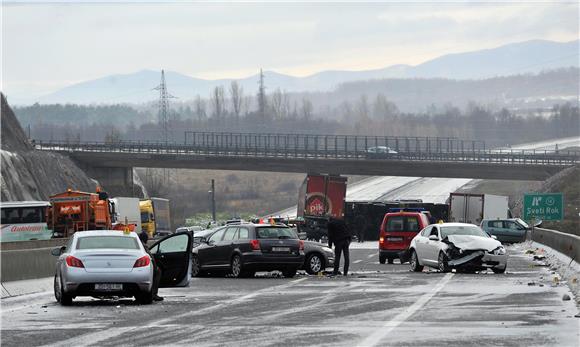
point(164, 97)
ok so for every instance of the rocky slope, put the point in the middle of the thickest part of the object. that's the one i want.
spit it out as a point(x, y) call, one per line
point(28, 174)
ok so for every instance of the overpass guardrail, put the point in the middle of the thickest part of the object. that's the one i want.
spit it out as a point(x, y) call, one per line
point(327, 150)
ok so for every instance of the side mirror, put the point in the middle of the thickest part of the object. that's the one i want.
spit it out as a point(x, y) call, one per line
point(494, 237)
point(538, 224)
point(433, 238)
point(57, 251)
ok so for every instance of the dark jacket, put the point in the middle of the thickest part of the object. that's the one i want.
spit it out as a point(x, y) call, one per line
point(337, 232)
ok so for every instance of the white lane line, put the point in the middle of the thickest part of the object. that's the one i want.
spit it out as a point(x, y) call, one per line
point(379, 334)
point(99, 336)
point(371, 255)
point(357, 261)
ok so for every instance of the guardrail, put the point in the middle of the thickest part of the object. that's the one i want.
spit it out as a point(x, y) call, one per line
point(308, 151)
point(564, 243)
point(28, 259)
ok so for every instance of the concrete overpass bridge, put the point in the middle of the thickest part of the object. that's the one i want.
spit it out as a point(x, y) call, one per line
point(334, 154)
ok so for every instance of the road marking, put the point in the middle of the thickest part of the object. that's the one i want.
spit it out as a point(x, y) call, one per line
point(379, 334)
point(96, 337)
point(357, 261)
point(371, 255)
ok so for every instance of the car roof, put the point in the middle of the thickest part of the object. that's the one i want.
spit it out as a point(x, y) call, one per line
point(104, 233)
point(455, 224)
point(405, 213)
point(501, 219)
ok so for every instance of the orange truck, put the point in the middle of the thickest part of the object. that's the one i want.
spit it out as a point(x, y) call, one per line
point(74, 211)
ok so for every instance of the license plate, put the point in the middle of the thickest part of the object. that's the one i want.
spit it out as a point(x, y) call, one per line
point(280, 249)
point(108, 286)
point(395, 239)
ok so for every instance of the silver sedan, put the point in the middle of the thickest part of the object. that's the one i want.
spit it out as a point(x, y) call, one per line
point(461, 246)
point(105, 263)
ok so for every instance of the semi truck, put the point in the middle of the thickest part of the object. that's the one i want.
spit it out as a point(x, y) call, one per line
point(320, 197)
point(473, 208)
point(155, 217)
point(74, 211)
point(126, 211)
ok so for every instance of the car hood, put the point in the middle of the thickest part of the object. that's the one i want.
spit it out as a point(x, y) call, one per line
point(470, 242)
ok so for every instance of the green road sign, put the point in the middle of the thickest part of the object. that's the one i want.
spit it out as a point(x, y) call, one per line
point(543, 206)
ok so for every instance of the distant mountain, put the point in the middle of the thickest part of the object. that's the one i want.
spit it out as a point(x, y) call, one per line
point(517, 58)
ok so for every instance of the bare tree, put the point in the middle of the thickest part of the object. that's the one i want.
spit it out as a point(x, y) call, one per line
point(246, 105)
point(277, 103)
point(306, 109)
point(237, 96)
point(200, 108)
point(217, 102)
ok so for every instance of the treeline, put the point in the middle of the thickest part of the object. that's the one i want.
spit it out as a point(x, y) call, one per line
point(226, 112)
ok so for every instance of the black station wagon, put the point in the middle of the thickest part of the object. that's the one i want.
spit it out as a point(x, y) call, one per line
point(241, 250)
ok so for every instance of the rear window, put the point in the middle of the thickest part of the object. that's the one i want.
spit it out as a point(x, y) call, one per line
point(403, 223)
point(111, 242)
point(275, 233)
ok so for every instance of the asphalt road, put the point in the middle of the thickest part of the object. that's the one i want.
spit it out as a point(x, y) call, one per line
point(377, 305)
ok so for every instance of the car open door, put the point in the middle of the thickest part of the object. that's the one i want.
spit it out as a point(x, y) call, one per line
point(173, 256)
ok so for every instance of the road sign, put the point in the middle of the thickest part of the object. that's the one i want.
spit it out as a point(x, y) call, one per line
point(543, 206)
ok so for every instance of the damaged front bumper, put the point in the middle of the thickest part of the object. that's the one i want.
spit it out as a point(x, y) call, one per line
point(478, 259)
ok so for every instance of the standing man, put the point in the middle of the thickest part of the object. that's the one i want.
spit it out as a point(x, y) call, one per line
point(360, 225)
point(339, 235)
point(156, 270)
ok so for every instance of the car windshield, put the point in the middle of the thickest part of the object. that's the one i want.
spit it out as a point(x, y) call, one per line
point(275, 233)
point(522, 223)
point(109, 242)
point(462, 230)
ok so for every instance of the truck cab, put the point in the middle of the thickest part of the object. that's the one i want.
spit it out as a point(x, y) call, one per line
point(396, 232)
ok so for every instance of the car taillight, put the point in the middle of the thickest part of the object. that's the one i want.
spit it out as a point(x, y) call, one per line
point(143, 261)
point(381, 240)
point(255, 245)
point(301, 245)
point(74, 262)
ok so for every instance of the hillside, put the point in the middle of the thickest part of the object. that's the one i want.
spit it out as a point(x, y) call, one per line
point(516, 58)
point(28, 174)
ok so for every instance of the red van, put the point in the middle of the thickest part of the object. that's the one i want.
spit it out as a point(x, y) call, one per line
point(397, 231)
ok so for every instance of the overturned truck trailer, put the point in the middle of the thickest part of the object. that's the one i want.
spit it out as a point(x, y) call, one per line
point(320, 197)
point(368, 215)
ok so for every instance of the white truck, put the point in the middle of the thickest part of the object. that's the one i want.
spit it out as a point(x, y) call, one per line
point(473, 208)
point(126, 208)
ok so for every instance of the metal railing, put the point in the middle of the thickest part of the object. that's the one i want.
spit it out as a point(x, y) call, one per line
point(333, 150)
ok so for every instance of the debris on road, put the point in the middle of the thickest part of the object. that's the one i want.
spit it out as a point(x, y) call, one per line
point(566, 297)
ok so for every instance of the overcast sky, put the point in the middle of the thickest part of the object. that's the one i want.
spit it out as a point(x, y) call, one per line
point(49, 46)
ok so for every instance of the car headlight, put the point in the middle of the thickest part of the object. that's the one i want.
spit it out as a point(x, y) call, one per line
point(499, 251)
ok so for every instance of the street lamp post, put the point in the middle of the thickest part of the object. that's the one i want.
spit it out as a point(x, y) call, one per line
point(212, 193)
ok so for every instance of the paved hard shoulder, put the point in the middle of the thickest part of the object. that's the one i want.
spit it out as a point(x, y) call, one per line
point(23, 287)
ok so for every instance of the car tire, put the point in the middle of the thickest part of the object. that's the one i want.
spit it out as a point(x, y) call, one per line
point(195, 267)
point(390, 260)
point(382, 259)
point(236, 270)
point(498, 270)
point(442, 265)
point(314, 263)
point(415, 266)
point(145, 298)
point(289, 273)
point(59, 294)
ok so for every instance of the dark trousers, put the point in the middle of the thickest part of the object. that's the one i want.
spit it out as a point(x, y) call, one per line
point(341, 247)
point(360, 235)
point(156, 279)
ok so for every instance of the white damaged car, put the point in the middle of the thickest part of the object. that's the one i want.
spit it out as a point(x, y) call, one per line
point(461, 246)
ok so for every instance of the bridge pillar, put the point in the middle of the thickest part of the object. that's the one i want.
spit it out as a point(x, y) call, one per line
point(117, 181)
